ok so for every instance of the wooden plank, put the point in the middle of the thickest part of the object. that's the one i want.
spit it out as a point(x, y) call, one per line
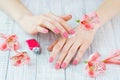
point(26, 72)
point(5, 27)
point(45, 70)
point(77, 9)
point(106, 39)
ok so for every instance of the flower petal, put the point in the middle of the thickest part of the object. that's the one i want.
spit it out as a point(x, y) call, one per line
point(16, 46)
point(113, 55)
point(3, 47)
point(112, 62)
point(95, 56)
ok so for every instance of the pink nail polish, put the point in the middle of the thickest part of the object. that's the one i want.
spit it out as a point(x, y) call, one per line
point(57, 66)
point(72, 31)
point(45, 31)
point(64, 65)
point(65, 34)
point(51, 59)
point(75, 62)
point(56, 30)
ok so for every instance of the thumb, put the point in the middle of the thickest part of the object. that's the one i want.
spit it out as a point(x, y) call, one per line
point(66, 17)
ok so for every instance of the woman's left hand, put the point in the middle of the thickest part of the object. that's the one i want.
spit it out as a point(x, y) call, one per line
point(68, 47)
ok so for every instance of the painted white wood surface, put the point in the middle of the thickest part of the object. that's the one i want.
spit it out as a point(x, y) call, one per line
point(106, 40)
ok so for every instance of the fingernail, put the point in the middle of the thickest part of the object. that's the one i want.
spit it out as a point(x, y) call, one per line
point(56, 30)
point(51, 59)
point(57, 66)
point(45, 31)
point(72, 31)
point(64, 65)
point(49, 49)
point(75, 62)
point(65, 34)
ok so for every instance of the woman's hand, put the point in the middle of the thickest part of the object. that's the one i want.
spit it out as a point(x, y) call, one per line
point(41, 23)
point(68, 47)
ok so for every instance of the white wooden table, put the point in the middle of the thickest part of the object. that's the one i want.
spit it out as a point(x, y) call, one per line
point(106, 40)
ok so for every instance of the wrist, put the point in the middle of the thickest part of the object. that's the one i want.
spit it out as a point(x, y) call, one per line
point(21, 17)
point(96, 27)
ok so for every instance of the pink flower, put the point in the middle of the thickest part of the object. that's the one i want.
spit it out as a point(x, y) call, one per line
point(94, 65)
point(89, 21)
point(20, 58)
point(9, 42)
point(114, 58)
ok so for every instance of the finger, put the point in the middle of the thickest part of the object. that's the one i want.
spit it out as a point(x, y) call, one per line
point(70, 54)
point(55, 23)
point(81, 51)
point(63, 23)
point(66, 17)
point(50, 48)
point(41, 29)
point(57, 49)
point(64, 52)
point(46, 23)
point(63, 31)
point(50, 26)
point(59, 28)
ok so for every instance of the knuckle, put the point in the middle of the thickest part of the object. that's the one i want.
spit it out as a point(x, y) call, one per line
point(41, 21)
point(62, 29)
point(81, 51)
point(60, 60)
point(67, 59)
point(64, 50)
point(72, 51)
point(61, 21)
point(58, 46)
point(46, 22)
point(79, 56)
point(51, 21)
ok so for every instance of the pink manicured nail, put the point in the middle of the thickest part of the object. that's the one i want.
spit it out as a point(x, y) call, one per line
point(75, 62)
point(65, 34)
point(72, 31)
point(57, 66)
point(64, 65)
point(51, 59)
point(45, 31)
point(56, 30)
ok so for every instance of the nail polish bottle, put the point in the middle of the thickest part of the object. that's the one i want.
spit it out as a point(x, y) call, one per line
point(34, 46)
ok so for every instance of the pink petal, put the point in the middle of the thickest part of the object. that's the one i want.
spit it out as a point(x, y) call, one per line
point(113, 55)
point(18, 63)
point(95, 66)
point(16, 46)
point(101, 67)
point(3, 35)
point(85, 17)
point(21, 58)
point(95, 56)
point(112, 62)
point(88, 26)
point(92, 74)
point(13, 37)
point(90, 20)
point(27, 61)
point(3, 47)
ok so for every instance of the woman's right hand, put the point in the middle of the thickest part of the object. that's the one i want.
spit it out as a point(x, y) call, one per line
point(44, 23)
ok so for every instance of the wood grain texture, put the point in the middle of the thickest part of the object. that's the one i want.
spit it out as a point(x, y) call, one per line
point(106, 40)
